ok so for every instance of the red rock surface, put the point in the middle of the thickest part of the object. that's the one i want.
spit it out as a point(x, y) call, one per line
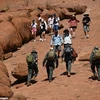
point(79, 86)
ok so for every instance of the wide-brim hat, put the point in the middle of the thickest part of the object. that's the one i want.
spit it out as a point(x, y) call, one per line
point(66, 31)
point(86, 14)
point(96, 47)
point(51, 48)
point(34, 51)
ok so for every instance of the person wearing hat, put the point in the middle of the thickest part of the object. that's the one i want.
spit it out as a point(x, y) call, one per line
point(56, 21)
point(43, 29)
point(34, 29)
point(50, 23)
point(73, 25)
point(86, 24)
point(50, 62)
point(95, 62)
point(56, 42)
point(32, 61)
point(66, 38)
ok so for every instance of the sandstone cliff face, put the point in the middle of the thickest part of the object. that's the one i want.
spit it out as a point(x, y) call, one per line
point(5, 82)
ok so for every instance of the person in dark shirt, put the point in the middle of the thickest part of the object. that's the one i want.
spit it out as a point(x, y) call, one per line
point(95, 64)
point(32, 67)
point(67, 58)
point(50, 64)
point(86, 24)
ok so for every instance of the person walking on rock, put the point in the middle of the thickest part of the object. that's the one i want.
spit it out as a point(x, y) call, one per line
point(32, 61)
point(86, 24)
point(50, 62)
point(66, 38)
point(73, 25)
point(56, 42)
point(34, 29)
point(95, 62)
point(67, 56)
point(43, 29)
point(50, 24)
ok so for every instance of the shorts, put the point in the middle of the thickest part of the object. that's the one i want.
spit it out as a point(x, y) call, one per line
point(43, 31)
point(57, 48)
point(51, 26)
point(55, 27)
point(86, 28)
point(34, 29)
point(73, 27)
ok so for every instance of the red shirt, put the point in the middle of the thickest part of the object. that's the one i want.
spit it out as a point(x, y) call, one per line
point(73, 22)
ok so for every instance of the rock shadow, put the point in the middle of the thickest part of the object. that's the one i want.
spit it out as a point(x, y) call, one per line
point(23, 81)
point(18, 82)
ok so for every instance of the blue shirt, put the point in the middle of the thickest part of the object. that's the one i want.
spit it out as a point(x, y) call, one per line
point(56, 40)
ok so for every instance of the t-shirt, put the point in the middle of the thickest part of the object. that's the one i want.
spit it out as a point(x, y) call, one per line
point(50, 21)
point(34, 25)
point(86, 20)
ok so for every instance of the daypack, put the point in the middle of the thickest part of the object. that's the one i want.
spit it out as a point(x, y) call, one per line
point(96, 54)
point(51, 55)
point(68, 51)
point(31, 59)
point(74, 54)
point(55, 20)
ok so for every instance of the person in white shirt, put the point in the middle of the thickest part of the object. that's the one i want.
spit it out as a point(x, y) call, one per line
point(66, 38)
point(50, 23)
point(56, 22)
point(43, 28)
point(34, 29)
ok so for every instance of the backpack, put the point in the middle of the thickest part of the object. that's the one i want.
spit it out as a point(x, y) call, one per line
point(68, 50)
point(30, 59)
point(74, 54)
point(55, 20)
point(96, 55)
point(51, 55)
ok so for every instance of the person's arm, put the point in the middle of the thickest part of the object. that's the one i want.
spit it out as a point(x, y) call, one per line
point(45, 25)
point(91, 57)
point(89, 21)
point(83, 21)
point(61, 40)
point(52, 41)
point(62, 56)
point(45, 59)
point(56, 60)
point(36, 57)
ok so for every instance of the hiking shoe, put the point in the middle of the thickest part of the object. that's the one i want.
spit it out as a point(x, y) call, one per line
point(44, 40)
point(87, 36)
point(33, 78)
point(28, 83)
point(50, 80)
point(98, 78)
point(41, 39)
point(68, 74)
point(94, 77)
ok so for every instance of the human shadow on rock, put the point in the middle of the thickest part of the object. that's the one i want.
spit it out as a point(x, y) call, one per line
point(66, 73)
point(48, 79)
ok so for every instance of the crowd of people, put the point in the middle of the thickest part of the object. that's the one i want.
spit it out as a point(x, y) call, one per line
point(53, 24)
point(68, 55)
